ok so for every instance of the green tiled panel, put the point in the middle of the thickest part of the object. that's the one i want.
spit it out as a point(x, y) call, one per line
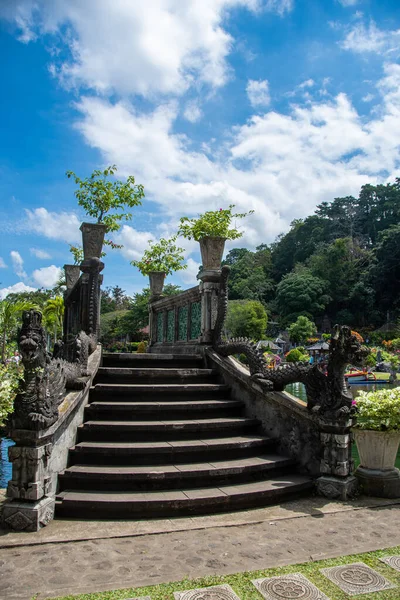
point(195, 321)
point(160, 326)
point(170, 325)
point(182, 323)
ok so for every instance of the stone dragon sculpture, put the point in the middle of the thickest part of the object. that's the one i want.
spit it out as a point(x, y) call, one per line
point(327, 394)
point(46, 377)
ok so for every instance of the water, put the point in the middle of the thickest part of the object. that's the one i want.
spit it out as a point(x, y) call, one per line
point(298, 389)
point(5, 465)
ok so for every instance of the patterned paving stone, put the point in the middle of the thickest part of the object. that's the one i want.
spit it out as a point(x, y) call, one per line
point(288, 587)
point(357, 578)
point(215, 592)
point(392, 561)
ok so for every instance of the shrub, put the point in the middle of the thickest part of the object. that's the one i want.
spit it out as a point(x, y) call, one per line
point(214, 223)
point(296, 355)
point(378, 411)
point(10, 374)
point(142, 347)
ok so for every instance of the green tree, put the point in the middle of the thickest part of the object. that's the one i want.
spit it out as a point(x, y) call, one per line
point(300, 292)
point(246, 319)
point(301, 330)
point(53, 313)
point(106, 200)
point(385, 273)
point(10, 315)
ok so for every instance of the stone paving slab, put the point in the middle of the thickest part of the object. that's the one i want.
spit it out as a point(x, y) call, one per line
point(214, 592)
point(357, 578)
point(64, 530)
point(105, 564)
point(392, 561)
point(293, 586)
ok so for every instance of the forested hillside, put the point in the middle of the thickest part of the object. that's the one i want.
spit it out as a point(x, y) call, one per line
point(343, 261)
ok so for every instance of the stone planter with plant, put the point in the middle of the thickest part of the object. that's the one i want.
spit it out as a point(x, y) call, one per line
point(377, 435)
point(211, 229)
point(105, 201)
point(159, 260)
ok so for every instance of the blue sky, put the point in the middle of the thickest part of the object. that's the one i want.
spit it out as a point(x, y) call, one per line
point(271, 105)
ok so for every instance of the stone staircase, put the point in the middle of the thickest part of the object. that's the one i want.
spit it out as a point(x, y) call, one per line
point(162, 437)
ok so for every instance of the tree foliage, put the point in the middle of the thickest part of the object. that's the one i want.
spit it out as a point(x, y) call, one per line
point(302, 329)
point(246, 319)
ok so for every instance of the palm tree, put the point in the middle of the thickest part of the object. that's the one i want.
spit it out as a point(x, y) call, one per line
point(53, 312)
point(9, 316)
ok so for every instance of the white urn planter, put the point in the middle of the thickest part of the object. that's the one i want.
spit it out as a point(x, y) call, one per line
point(156, 279)
point(212, 250)
point(377, 473)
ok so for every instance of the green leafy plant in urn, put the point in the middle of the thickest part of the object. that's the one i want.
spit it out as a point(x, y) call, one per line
point(377, 435)
point(159, 260)
point(211, 229)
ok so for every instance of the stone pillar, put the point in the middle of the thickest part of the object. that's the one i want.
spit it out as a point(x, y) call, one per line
point(337, 466)
point(209, 288)
point(31, 502)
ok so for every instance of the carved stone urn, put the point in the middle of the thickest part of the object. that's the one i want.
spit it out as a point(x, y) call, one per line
point(156, 283)
point(72, 274)
point(377, 474)
point(212, 250)
point(92, 239)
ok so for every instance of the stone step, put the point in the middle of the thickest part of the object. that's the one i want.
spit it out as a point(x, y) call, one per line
point(162, 410)
point(155, 375)
point(152, 360)
point(171, 452)
point(109, 504)
point(161, 391)
point(163, 430)
point(171, 476)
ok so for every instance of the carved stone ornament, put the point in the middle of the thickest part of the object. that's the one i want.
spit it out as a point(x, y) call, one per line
point(212, 250)
point(327, 394)
point(293, 586)
point(45, 378)
point(337, 488)
point(29, 472)
point(28, 516)
point(215, 592)
point(357, 578)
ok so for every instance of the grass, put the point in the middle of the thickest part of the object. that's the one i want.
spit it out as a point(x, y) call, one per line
point(241, 582)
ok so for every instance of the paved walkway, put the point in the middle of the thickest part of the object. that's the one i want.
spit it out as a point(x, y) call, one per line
point(72, 557)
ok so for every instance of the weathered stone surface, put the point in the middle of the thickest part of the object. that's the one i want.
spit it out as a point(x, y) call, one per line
point(30, 480)
point(287, 587)
point(379, 483)
point(357, 578)
point(28, 516)
point(215, 592)
point(392, 561)
point(337, 488)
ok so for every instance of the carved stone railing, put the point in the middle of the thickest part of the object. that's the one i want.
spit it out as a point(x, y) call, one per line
point(185, 322)
point(47, 412)
point(176, 320)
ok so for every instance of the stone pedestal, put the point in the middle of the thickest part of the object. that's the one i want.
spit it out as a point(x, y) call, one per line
point(337, 488)
point(336, 465)
point(28, 516)
point(380, 483)
point(209, 288)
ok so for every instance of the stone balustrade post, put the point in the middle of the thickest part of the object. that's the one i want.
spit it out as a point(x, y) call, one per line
point(336, 466)
point(209, 288)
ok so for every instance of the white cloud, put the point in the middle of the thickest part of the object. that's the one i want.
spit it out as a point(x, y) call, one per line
point(162, 46)
point(349, 2)
point(280, 165)
point(368, 98)
point(134, 242)
point(2, 264)
point(362, 39)
point(258, 92)
point(56, 226)
point(47, 277)
point(18, 264)
point(188, 276)
point(40, 253)
point(193, 111)
point(15, 289)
